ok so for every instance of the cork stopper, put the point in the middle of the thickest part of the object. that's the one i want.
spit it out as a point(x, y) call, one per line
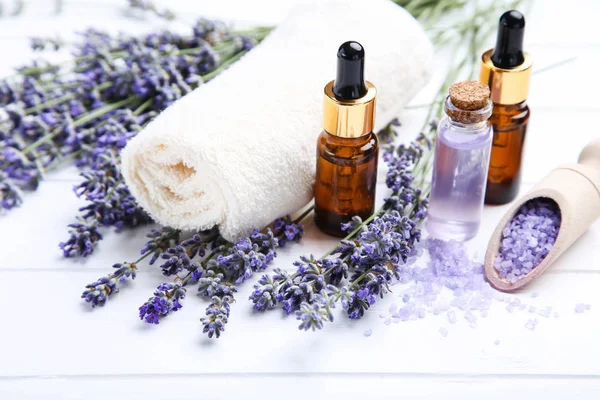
point(469, 102)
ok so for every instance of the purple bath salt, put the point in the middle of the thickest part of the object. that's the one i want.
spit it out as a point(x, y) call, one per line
point(528, 238)
point(368, 332)
point(531, 324)
point(387, 321)
point(451, 317)
point(497, 342)
point(444, 332)
point(470, 317)
point(581, 307)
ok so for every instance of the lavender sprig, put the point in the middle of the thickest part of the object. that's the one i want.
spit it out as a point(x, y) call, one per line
point(371, 256)
point(98, 292)
point(86, 111)
point(218, 273)
point(165, 300)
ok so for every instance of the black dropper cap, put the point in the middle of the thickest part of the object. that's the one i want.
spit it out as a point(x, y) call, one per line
point(508, 52)
point(350, 83)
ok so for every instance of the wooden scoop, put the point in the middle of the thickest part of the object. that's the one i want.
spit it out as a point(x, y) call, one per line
point(576, 190)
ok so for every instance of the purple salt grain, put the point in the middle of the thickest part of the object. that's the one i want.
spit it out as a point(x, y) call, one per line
point(444, 331)
point(534, 295)
point(528, 238)
point(531, 324)
point(532, 309)
point(470, 317)
point(451, 317)
point(368, 332)
point(581, 307)
point(387, 321)
point(497, 342)
point(556, 314)
point(546, 312)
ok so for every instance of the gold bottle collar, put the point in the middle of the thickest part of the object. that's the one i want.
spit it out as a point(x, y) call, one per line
point(507, 86)
point(349, 118)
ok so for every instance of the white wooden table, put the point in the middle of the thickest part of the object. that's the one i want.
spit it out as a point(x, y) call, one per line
point(52, 346)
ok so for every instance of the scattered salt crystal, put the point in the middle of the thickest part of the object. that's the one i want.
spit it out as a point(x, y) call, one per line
point(451, 317)
point(382, 315)
point(387, 321)
point(532, 309)
point(473, 325)
point(531, 324)
point(581, 307)
point(534, 295)
point(393, 308)
point(510, 308)
point(484, 314)
point(368, 332)
point(421, 313)
point(406, 298)
point(444, 331)
point(546, 312)
point(556, 315)
point(470, 317)
point(522, 307)
point(497, 342)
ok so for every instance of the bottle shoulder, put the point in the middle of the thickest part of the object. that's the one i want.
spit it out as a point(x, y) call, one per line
point(334, 147)
point(510, 114)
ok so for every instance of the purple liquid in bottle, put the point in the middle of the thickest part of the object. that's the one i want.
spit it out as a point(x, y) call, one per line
point(460, 168)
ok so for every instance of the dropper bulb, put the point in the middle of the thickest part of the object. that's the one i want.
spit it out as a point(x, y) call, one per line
point(508, 52)
point(349, 82)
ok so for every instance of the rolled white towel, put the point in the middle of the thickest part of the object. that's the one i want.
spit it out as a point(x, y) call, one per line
point(240, 151)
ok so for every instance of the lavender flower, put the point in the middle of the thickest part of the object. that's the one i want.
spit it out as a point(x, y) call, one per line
point(160, 240)
point(214, 284)
point(217, 314)
point(10, 195)
point(98, 292)
point(177, 259)
point(165, 300)
point(313, 316)
point(84, 235)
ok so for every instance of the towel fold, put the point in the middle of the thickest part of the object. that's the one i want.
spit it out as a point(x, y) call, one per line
point(239, 151)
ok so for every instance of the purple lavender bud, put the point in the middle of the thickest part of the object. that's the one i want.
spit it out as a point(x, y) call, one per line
point(166, 299)
point(217, 315)
point(83, 237)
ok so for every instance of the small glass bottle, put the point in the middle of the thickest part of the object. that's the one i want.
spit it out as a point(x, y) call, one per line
point(506, 69)
point(347, 149)
point(460, 168)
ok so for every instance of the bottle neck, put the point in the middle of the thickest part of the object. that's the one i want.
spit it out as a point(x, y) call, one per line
point(468, 127)
point(468, 120)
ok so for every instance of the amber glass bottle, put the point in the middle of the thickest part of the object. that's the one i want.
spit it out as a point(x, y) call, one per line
point(347, 148)
point(506, 69)
point(346, 180)
point(504, 175)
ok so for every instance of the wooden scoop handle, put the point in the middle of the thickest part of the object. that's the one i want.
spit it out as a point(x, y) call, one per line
point(590, 155)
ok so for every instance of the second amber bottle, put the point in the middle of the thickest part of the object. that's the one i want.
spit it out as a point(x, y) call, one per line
point(347, 149)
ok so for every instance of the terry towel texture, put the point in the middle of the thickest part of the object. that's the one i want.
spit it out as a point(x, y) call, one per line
point(240, 151)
